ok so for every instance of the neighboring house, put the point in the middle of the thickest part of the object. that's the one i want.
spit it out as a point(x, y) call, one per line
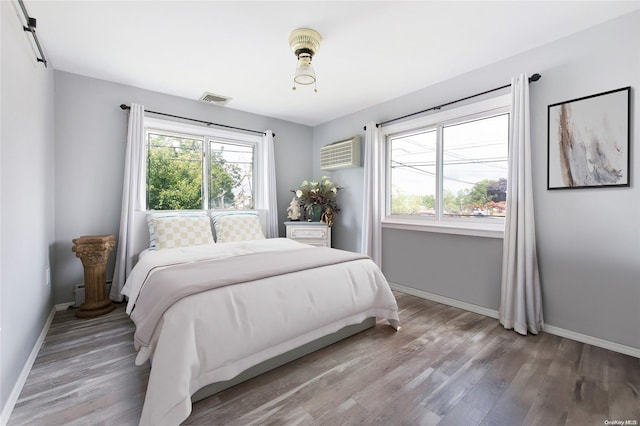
point(63, 139)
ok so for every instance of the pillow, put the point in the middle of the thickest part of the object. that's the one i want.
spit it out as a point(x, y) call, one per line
point(232, 227)
point(182, 231)
point(156, 215)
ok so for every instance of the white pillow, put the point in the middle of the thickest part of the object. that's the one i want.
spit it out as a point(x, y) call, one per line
point(237, 227)
point(163, 214)
point(182, 231)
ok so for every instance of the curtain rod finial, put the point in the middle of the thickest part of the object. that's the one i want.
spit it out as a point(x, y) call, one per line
point(123, 106)
point(535, 77)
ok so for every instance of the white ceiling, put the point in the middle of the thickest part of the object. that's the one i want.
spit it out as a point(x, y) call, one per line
point(372, 51)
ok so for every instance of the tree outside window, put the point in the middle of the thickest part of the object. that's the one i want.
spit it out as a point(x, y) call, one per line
point(176, 166)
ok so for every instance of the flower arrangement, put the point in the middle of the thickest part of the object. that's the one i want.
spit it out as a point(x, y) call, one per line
point(318, 196)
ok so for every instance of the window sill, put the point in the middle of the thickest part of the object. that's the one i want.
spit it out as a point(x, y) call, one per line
point(487, 230)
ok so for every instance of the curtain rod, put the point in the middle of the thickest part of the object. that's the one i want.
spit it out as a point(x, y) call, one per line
point(31, 27)
point(208, 123)
point(534, 77)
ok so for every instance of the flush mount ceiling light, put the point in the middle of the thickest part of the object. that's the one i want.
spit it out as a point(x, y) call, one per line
point(305, 43)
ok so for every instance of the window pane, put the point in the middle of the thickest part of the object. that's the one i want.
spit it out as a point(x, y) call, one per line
point(174, 172)
point(475, 167)
point(413, 174)
point(231, 176)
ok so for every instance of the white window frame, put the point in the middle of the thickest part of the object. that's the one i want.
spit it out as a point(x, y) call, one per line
point(467, 226)
point(208, 134)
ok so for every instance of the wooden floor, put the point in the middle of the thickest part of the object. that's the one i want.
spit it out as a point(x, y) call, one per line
point(446, 366)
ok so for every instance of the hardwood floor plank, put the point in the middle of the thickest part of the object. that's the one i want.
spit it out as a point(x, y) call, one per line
point(462, 413)
point(556, 392)
point(486, 392)
point(624, 387)
point(442, 400)
point(85, 368)
point(590, 404)
point(404, 407)
point(515, 402)
point(445, 367)
point(349, 413)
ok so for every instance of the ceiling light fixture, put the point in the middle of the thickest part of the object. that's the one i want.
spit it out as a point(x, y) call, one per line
point(305, 43)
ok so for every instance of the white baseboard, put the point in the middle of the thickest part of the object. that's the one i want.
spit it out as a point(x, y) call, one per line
point(445, 300)
point(64, 306)
point(578, 337)
point(22, 378)
point(594, 341)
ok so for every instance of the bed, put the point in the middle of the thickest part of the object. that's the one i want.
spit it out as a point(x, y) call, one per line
point(210, 315)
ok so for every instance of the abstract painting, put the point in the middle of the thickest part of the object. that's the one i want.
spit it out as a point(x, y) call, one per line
point(588, 141)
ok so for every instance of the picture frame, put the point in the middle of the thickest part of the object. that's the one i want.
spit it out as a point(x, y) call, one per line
point(588, 141)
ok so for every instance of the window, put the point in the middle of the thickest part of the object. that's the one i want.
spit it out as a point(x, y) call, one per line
point(230, 175)
point(450, 167)
point(189, 167)
point(174, 172)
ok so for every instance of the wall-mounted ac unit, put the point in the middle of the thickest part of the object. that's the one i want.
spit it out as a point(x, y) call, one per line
point(341, 154)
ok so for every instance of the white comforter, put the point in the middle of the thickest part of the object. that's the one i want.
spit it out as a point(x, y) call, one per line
point(215, 335)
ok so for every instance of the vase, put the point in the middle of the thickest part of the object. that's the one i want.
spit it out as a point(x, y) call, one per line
point(314, 213)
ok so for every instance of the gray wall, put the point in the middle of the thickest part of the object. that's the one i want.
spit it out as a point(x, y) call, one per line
point(588, 239)
point(90, 142)
point(27, 185)
point(422, 255)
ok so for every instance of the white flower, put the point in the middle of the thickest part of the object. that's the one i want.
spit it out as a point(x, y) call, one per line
point(313, 183)
point(334, 190)
point(298, 193)
point(305, 183)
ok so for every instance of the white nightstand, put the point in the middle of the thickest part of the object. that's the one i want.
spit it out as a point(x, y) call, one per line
point(313, 233)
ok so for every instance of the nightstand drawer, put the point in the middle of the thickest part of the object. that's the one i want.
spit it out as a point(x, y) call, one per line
point(313, 233)
point(298, 233)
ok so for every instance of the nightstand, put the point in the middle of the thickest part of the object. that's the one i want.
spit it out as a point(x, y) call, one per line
point(313, 233)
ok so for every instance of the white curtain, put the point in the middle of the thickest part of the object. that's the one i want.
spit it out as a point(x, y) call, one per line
point(268, 199)
point(132, 198)
point(521, 299)
point(373, 193)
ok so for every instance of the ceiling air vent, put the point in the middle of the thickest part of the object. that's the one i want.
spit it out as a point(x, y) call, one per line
point(212, 98)
point(341, 154)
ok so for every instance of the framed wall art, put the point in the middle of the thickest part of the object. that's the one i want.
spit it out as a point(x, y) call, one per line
point(588, 141)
